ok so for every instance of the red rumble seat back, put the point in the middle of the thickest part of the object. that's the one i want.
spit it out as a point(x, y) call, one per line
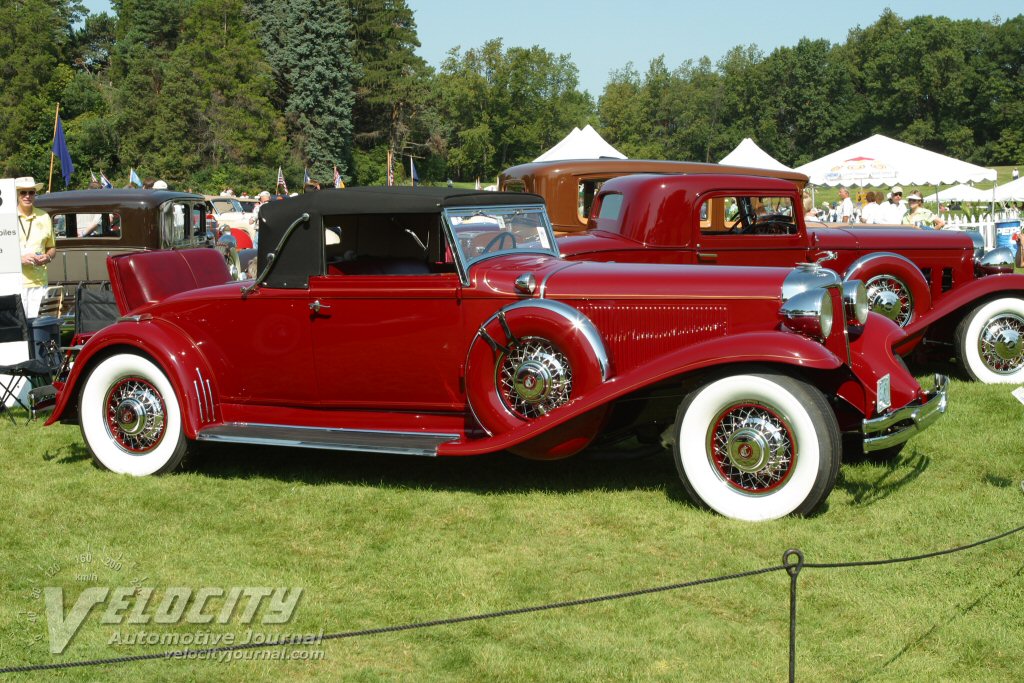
point(145, 277)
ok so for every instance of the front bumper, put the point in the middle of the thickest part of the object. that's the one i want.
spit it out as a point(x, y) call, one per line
point(899, 425)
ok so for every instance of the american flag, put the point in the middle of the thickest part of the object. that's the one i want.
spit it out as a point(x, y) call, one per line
point(280, 180)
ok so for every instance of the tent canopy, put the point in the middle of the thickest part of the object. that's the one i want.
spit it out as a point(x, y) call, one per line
point(1011, 192)
point(581, 144)
point(960, 193)
point(747, 153)
point(880, 160)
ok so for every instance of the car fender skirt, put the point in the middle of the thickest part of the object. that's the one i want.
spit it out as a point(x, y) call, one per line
point(771, 348)
point(175, 354)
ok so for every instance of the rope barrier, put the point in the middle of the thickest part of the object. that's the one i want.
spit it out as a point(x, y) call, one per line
point(792, 562)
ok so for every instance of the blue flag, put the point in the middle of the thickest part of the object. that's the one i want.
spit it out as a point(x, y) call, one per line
point(412, 172)
point(105, 182)
point(305, 176)
point(133, 178)
point(60, 150)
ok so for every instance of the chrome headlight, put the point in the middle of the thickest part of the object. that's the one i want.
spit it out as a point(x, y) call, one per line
point(807, 277)
point(855, 302)
point(999, 260)
point(809, 313)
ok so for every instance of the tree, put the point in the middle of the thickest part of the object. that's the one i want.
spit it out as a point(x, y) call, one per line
point(310, 52)
point(498, 107)
point(32, 46)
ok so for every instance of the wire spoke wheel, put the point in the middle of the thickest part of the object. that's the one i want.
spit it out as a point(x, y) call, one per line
point(136, 415)
point(752, 448)
point(890, 297)
point(999, 343)
point(534, 378)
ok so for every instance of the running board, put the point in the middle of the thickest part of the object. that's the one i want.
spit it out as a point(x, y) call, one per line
point(399, 443)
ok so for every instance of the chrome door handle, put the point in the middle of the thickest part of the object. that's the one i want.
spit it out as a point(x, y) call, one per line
point(316, 306)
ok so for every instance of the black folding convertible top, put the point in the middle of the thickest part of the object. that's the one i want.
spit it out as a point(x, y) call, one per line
point(304, 253)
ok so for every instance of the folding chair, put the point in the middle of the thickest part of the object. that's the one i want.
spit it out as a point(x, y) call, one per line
point(95, 308)
point(42, 363)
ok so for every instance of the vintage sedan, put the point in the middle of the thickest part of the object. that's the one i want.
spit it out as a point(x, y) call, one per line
point(91, 225)
point(953, 299)
point(569, 186)
point(441, 322)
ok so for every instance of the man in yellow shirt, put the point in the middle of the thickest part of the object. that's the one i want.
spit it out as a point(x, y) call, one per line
point(35, 233)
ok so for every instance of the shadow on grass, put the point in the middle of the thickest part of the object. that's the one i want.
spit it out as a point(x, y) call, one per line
point(68, 454)
point(955, 614)
point(484, 474)
point(895, 475)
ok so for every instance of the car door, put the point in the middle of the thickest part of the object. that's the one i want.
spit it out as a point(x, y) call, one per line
point(745, 229)
point(388, 341)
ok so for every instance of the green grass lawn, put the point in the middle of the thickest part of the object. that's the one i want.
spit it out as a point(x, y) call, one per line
point(378, 540)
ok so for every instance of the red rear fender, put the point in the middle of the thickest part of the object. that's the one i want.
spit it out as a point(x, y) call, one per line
point(186, 368)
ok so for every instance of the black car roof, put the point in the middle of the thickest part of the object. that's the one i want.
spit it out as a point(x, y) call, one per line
point(305, 251)
point(375, 200)
point(86, 199)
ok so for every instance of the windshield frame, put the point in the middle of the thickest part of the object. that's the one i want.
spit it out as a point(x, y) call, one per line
point(453, 219)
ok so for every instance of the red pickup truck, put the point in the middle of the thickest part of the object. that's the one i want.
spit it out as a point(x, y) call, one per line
point(949, 297)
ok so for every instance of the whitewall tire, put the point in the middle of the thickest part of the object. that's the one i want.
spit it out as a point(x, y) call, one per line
point(130, 417)
point(990, 342)
point(757, 446)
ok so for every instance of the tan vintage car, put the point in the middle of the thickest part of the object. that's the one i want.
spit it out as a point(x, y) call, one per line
point(569, 187)
point(91, 225)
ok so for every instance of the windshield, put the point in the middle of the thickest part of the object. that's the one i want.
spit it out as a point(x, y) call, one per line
point(483, 232)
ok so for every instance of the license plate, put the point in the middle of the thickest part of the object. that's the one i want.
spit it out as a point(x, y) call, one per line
point(884, 398)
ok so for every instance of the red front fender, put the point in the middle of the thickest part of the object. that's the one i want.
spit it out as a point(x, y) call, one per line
point(780, 348)
point(175, 353)
point(970, 294)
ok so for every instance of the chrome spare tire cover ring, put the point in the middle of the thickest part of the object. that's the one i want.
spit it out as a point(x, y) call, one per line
point(1001, 343)
point(890, 296)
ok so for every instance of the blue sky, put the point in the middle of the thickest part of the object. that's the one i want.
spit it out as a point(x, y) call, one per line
point(603, 35)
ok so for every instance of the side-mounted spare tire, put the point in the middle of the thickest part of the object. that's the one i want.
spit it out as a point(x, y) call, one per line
point(529, 359)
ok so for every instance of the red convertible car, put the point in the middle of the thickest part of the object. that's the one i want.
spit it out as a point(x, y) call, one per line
point(442, 322)
point(952, 299)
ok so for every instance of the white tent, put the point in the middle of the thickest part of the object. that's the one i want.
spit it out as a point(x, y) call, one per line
point(1011, 192)
point(748, 154)
point(879, 160)
point(581, 144)
point(960, 193)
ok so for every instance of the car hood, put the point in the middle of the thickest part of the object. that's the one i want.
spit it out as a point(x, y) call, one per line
point(888, 239)
point(559, 279)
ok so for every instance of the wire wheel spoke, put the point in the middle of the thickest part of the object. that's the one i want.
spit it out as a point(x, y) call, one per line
point(534, 378)
point(999, 343)
point(136, 416)
point(752, 448)
point(890, 297)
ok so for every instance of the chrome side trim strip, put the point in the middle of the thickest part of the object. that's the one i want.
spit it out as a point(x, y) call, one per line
point(399, 443)
point(898, 426)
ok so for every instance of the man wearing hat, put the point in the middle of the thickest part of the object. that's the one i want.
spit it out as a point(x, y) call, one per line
point(35, 234)
point(893, 209)
point(918, 216)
